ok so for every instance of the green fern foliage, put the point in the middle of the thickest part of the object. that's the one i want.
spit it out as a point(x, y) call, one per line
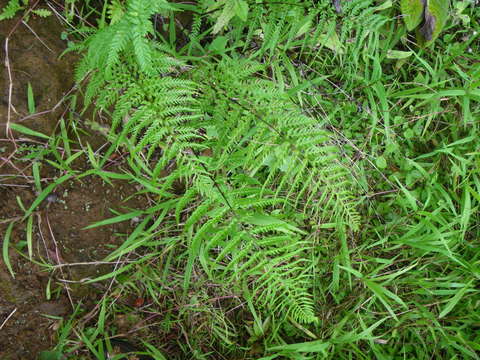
point(271, 140)
point(237, 242)
point(267, 164)
point(128, 34)
point(14, 6)
point(11, 9)
point(130, 77)
point(257, 172)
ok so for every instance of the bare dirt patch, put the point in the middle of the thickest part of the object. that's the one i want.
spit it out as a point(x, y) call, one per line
point(29, 313)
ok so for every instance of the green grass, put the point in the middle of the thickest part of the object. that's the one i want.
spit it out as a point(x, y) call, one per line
point(251, 259)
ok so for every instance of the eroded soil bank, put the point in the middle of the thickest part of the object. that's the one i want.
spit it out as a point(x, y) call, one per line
point(33, 302)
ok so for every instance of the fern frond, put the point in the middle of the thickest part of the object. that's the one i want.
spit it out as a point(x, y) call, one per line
point(254, 168)
point(10, 10)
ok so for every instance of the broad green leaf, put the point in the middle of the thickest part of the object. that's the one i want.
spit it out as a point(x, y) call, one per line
point(412, 201)
point(400, 63)
point(381, 294)
point(353, 336)
point(136, 239)
point(352, 271)
point(218, 45)
point(101, 316)
point(115, 11)
point(158, 355)
point(118, 271)
point(331, 41)
point(466, 211)
point(42, 12)
point(436, 14)
point(36, 175)
point(381, 162)
point(9, 11)
point(412, 13)
point(48, 290)
point(88, 342)
point(241, 9)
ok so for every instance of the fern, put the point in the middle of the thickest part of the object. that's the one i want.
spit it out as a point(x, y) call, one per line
point(42, 12)
point(273, 140)
point(115, 11)
point(257, 170)
point(148, 105)
point(238, 251)
point(11, 9)
point(14, 6)
point(239, 195)
point(127, 34)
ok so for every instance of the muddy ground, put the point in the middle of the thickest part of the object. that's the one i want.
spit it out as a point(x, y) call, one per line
point(29, 315)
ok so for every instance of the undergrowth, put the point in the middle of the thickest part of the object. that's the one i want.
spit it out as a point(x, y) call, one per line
point(315, 176)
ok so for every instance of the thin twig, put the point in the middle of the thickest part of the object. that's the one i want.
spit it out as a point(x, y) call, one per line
point(89, 264)
point(382, 193)
point(8, 317)
point(9, 220)
point(8, 132)
point(58, 258)
point(35, 34)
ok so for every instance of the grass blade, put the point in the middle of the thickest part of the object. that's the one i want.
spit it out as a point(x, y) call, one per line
point(45, 193)
point(30, 99)
point(24, 130)
point(29, 236)
point(6, 243)
point(454, 300)
point(115, 219)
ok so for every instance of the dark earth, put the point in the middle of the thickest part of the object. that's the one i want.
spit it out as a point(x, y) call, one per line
point(29, 313)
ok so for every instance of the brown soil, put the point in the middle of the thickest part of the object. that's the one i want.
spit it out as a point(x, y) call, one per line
point(28, 318)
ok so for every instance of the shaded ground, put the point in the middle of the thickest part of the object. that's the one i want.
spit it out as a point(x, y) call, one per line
point(26, 323)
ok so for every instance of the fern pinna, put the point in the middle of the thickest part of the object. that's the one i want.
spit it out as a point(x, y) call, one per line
point(257, 172)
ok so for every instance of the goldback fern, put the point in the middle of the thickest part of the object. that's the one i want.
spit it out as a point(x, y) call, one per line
point(257, 171)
